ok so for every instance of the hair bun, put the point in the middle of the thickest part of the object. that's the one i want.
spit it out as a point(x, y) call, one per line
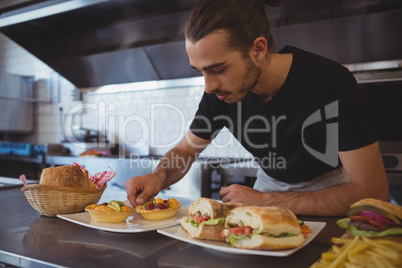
point(272, 3)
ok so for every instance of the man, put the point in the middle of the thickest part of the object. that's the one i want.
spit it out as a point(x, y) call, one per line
point(276, 105)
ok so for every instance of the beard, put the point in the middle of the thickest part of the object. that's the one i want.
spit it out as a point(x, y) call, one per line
point(250, 79)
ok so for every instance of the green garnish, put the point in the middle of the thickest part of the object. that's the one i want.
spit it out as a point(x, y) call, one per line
point(214, 221)
point(193, 222)
point(282, 235)
point(233, 237)
point(208, 222)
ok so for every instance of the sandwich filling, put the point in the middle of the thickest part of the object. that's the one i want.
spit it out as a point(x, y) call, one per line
point(368, 223)
point(197, 219)
point(239, 232)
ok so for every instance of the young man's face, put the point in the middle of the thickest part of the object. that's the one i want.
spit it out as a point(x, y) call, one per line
point(227, 74)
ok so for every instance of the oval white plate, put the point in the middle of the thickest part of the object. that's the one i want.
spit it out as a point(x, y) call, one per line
point(177, 232)
point(134, 223)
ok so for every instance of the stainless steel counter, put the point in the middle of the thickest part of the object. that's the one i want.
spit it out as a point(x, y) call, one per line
point(28, 239)
point(12, 182)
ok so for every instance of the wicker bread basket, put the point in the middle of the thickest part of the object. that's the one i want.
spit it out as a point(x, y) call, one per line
point(52, 200)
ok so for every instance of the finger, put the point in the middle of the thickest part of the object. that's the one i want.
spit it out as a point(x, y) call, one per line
point(225, 194)
point(226, 198)
point(131, 189)
point(224, 191)
point(132, 199)
point(145, 196)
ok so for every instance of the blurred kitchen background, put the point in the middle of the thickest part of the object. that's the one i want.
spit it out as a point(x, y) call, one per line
point(111, 80)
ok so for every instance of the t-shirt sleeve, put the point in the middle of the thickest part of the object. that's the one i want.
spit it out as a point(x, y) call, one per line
point(355, 127)
point(204, 125)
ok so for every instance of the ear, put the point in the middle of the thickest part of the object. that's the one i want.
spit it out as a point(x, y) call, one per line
point(260, 48)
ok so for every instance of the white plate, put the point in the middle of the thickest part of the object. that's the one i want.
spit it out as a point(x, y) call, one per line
point(134, 223)
point(177, 232)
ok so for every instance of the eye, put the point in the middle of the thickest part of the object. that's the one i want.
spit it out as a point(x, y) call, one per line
point(218, 71)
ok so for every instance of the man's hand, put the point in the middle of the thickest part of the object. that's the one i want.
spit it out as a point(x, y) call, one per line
point(171, 168)
point(236, 193)
point(143, 188)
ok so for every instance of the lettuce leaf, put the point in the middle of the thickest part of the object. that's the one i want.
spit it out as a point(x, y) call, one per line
point(344, 224)
point(193, 222)
point(208, 222)
point(214, 221)
point(233, 237)
point(283, 235)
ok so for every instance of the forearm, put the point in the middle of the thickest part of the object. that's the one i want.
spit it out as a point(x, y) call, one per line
point(173, 166)
point(367, 179)
point(333, 201)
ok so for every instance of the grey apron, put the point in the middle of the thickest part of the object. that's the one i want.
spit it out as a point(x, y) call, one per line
point(265, 183)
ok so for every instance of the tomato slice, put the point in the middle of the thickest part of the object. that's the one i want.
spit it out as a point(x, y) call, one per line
point(200, 218)
point(359, 218)
point(372, 221)
point(248, 230)
point(379, 224)
point(242, 230)
point(237, 231)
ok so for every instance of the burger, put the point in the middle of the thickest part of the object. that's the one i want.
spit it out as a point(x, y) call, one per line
point(373, 218)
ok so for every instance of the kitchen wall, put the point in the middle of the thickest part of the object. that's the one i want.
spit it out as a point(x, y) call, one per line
point(17, 61)
point(156, 118)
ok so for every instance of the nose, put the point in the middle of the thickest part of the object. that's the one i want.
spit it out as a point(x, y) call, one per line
point(211, 84)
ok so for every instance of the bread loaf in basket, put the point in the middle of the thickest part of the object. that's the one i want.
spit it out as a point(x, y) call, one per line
point(62, 190)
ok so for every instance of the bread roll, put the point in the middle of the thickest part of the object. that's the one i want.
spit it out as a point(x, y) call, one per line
point(383, 205)
point(210, 208)
point(268, 223)
point(208, 232)
point(66, 176)
point(269, 220)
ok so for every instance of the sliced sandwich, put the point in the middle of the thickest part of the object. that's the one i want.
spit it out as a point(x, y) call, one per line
point(266, 228)
point(206, 218)
point(373, 218)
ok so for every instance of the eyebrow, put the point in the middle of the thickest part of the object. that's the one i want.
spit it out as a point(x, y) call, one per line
point(210, 66)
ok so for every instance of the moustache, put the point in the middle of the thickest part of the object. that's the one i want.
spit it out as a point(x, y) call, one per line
point(220, 92)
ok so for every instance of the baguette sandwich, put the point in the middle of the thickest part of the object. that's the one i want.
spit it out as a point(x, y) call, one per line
point(373, 218)
point(206, 218)
point(267, 228)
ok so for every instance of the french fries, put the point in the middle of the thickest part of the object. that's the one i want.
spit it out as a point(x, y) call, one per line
point(361, 252)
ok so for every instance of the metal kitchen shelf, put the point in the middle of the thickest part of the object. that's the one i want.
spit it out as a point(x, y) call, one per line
point(27, 100)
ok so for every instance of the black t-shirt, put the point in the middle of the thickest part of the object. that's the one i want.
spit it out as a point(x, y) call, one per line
point(296, 136)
